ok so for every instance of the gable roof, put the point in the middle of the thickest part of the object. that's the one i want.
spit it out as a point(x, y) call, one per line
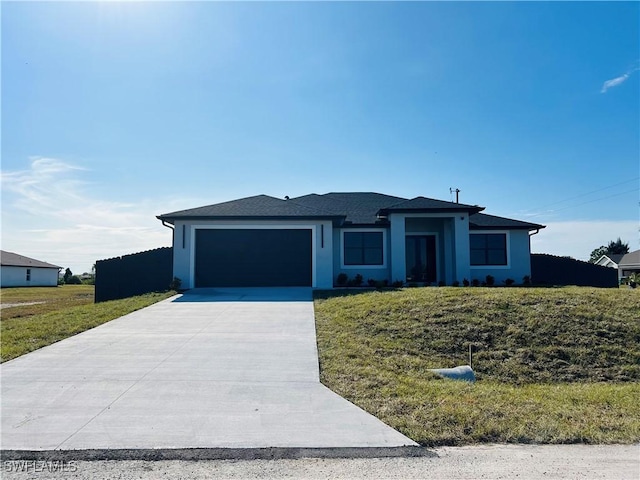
point(482, 221)
point(612, 257)
point(423, 204)
point(259, 206)
point(10, 259)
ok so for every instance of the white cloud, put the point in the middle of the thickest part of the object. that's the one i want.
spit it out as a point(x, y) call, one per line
point(578, 239)
point(614, 82)
point(50, 213)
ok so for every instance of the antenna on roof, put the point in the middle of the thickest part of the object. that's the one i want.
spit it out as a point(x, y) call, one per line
point(457, 190)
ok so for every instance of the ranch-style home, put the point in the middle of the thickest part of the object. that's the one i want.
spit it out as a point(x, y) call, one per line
point(20, 271)
point(310, 240)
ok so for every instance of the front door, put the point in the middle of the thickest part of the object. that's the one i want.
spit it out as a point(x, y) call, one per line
point(421, 258)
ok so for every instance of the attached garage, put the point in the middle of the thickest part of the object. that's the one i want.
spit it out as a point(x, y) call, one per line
point(253, 257)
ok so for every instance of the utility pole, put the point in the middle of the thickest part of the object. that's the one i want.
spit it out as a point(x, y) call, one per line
point(457, 190)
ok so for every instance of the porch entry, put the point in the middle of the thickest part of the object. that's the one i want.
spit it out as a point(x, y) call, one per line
point(421, 258)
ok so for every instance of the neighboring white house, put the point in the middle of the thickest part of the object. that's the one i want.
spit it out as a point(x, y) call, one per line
point(629, 264)
point(610, 260)
point(314, 240)
point(20, 271)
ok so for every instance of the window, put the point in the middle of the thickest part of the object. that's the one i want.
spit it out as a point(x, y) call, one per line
point(363, 248)
point(28, 274)
point(488, 248)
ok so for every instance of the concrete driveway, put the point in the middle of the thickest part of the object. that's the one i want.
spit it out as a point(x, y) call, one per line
point(223, 368)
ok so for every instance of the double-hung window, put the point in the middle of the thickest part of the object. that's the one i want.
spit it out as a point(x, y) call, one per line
point(363, 248)
point(488, 248)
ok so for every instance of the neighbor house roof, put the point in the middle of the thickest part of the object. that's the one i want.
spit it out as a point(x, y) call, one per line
point(612, 257)
point(10, 259)
point(482, 221)
point(356, 208)
point(631, 259)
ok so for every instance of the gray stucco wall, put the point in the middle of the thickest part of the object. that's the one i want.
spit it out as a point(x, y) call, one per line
point(519, 259)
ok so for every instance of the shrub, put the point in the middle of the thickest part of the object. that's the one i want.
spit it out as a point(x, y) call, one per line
point(456, 283)
point(397, 284)
point(490, 280)
point(475, 282)
point(526, 280)
point(465, 282)
point(441, 283)
point(342, 279)
point(175, 284)
point(357, 281)
point(382, 283)
point(509, 281)
point(371, 282)
point(74, 280)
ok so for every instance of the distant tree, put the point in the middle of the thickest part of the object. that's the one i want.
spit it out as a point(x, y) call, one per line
point(613, 247)
point(74, 280)
point(67, 275)
point(618, 247)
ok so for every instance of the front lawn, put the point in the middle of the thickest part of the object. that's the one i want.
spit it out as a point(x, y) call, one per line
point(59, 312)
point(553, 365)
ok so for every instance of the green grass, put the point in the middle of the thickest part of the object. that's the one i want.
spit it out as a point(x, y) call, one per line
point(67, 311)
point(553, 365)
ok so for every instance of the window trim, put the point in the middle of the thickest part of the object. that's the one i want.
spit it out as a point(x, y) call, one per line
point(507, 235)
point(364, 230)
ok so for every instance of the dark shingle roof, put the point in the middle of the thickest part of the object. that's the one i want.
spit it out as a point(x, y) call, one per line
point(356, 208)
point(360, 208)
point(614, 257)
point(10, 259)
point(260, 206)
point(484, 221)
point(430, 204)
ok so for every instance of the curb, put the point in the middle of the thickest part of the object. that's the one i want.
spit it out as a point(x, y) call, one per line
point(269, 453)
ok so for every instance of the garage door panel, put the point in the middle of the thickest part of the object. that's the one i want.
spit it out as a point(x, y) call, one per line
point(253, 257)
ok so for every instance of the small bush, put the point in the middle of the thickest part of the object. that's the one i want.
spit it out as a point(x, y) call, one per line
point(490, 280)
point(357, 281)
point(74, 280)
point(526, 280)
point(175, 284)
point(441, 283)
point(509, 281)
point(456, 283)
point(397, 284)
point(371, 282)
point(382, 283)
point(465, 282)
point(475, 282)
point(342, 279)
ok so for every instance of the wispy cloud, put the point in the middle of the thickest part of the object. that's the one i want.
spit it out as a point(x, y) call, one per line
point(49, 212)
point(614, 82)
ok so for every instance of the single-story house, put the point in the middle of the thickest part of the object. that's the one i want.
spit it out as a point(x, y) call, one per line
point(629, 264)
point(311, 240)
point(20, 271)
point(610, 260)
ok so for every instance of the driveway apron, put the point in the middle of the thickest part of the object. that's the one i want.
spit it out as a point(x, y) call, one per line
point(212, 368)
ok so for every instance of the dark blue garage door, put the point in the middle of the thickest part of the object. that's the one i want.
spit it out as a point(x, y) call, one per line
point(253, 258)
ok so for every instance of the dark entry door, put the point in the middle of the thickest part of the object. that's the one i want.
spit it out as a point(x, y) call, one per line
point(253, 258)
point(421, 258)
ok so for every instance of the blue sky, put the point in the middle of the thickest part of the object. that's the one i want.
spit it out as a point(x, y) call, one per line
point(114, 112)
